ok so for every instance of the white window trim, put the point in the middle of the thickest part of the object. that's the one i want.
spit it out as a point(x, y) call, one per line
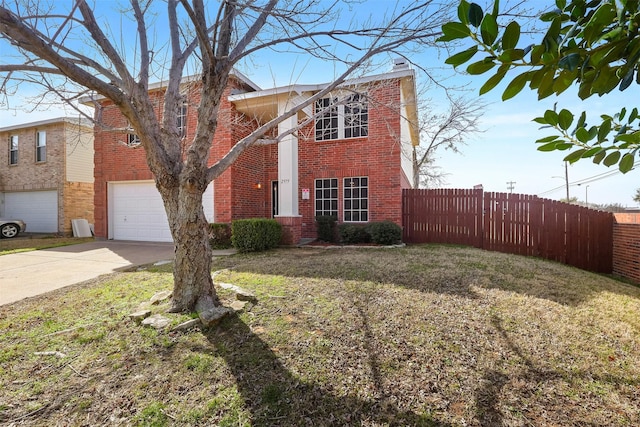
point(41, 146)
point(344, 199)
point(182, 116)
point(337, 198)
point(341, 116)
point(12, 139)
point(133, 140)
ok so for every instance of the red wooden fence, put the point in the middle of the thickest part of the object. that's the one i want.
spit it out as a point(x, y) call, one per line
point(510, 223)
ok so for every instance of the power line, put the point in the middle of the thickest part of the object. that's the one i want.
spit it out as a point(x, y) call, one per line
point(589, 179)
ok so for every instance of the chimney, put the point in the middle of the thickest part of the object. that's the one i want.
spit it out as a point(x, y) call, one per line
point(400, 64)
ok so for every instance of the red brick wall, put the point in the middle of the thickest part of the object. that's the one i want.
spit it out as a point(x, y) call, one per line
point(626, 246)
point(236, 195)
point(376, 157)
point(250, 190)
point(114, 161)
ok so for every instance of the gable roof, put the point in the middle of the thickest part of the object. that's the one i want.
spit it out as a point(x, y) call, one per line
point(40, 123)
point(90, 99)
point(265, 103)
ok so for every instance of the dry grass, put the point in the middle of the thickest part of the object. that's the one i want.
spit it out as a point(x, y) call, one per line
point(26, 244)
point(425, 335)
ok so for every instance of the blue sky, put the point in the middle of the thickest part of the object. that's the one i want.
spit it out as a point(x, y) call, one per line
point(507, 151)
point(504, 152)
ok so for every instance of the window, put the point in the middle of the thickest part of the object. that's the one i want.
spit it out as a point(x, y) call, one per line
point(133, 140)
point(345, 118)
point(182, 120)
point(327, 197)
point(356, 117)
point(13, 150)
point(41, 146)
point(356, 199)
point(327, 123)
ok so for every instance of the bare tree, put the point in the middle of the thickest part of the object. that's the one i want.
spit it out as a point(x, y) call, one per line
point(73, 49)
point(443, 131)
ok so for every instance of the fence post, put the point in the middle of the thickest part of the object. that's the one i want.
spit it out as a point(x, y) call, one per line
point(479, 214)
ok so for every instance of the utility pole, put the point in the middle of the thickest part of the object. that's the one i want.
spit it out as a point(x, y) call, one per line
point(586, 195)
point(511, 186)
point(566, 178)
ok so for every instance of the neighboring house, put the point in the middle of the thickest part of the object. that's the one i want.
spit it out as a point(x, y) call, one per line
point(351, 158)
point(46, 177)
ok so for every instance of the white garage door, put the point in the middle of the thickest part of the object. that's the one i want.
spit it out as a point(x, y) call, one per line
point(39, 209)
point(138, 212)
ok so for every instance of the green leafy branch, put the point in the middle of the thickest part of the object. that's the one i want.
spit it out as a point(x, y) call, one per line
point(594, 44)
point(594, 142)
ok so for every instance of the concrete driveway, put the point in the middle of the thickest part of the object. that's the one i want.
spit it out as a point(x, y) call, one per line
point(28, 274)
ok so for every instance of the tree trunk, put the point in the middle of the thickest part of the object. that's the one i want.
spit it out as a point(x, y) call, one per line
point(193, 287)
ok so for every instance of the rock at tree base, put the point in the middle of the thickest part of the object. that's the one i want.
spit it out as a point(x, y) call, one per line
point(156, 321)
point(241, 294)
point(140, 315)
point(238, 306)
point(189, 324)
point(160, 296)
point(212, 316)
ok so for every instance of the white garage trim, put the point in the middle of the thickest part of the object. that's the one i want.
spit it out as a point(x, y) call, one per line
point(136, 211)
point(39, 209)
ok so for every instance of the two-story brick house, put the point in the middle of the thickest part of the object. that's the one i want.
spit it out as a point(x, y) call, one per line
point(46, 177)
point(351, 158)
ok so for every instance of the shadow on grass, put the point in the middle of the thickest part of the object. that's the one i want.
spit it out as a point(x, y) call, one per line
point(489, 393)
point(435, 268)
point(276, 397)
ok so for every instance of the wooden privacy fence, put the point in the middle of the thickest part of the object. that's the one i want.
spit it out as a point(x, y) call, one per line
point(510, 223)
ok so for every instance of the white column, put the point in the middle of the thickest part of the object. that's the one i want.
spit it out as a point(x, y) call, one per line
point(287, 167)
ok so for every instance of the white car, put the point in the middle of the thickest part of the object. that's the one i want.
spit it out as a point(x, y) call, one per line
point(11, 227)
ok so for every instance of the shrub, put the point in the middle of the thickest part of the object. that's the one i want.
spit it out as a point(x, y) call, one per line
point(326, 227)
point(384, 232)
point(353, 233)
point(220, 235)
point(255, 234)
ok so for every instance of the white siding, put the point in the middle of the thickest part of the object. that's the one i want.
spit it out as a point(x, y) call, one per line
point(405, 140)
point(79, 153)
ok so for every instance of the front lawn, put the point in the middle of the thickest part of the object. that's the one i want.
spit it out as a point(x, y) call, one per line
point(423, 335)
point(19, 244)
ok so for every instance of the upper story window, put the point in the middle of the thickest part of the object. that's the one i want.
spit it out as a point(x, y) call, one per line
point(356, 117)
point(13, 150)
point(342, 118)
point(41, 146)
point(182, 120)
point(133, 140)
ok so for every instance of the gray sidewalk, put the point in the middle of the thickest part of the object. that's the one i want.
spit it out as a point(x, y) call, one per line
point(28, 274)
